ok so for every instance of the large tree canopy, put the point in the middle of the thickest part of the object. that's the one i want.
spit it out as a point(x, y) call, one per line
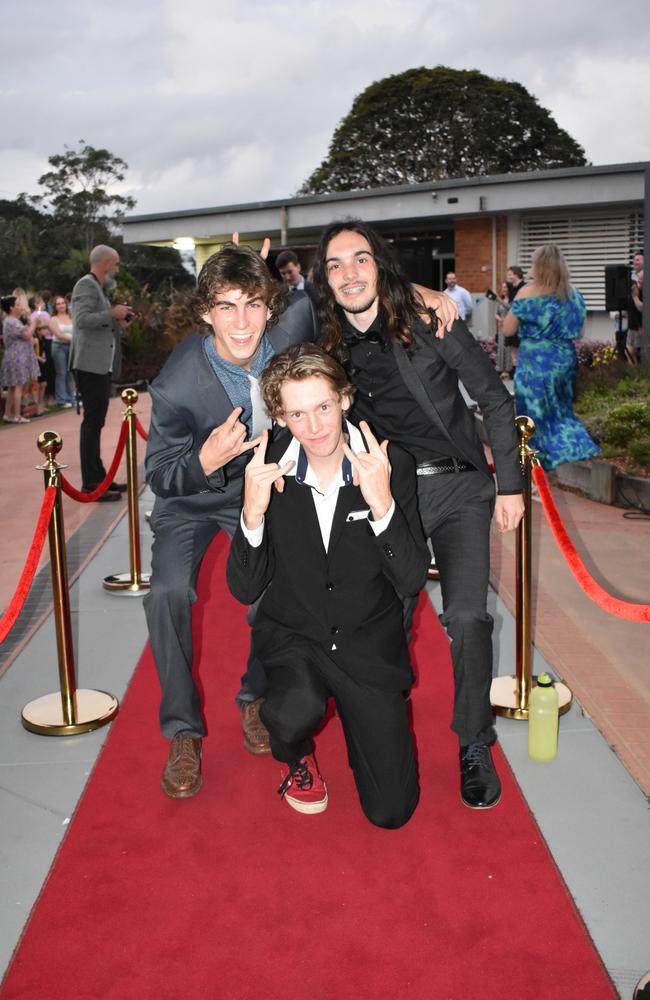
point(430, 124)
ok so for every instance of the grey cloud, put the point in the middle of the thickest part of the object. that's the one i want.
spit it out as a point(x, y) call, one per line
point(241, 101)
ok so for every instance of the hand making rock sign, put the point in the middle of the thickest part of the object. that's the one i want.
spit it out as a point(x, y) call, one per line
point(371, 471)
point(259, 480)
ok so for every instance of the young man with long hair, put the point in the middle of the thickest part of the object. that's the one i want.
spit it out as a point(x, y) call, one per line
point(407, 380)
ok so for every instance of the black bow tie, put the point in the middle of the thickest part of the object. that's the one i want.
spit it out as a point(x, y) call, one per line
point(370, 336)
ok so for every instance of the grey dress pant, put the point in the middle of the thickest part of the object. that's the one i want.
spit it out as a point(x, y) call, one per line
point(456, 511)
point(178, 550)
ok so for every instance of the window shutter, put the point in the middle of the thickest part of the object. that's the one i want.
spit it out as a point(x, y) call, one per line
point(588, 242)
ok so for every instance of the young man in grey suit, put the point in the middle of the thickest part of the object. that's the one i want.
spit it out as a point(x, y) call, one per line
point(207, 414)
point(95, 358)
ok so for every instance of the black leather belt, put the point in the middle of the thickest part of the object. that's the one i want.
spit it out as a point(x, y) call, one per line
point(441, 465)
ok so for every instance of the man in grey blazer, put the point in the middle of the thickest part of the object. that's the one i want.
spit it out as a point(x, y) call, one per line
point(95, 357)
point(207, 413)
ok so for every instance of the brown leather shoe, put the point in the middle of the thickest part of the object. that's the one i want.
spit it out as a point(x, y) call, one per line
point(256, 737)
point(182, 775)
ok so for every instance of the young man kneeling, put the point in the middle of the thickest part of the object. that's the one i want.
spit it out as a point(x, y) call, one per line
point(330, 535)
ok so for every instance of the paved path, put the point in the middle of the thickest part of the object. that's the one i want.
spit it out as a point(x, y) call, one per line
point(592, 811)
point(604, 660)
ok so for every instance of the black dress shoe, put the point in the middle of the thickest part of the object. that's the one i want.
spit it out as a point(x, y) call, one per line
point(119, 487)
point(480, 787)
point(109, 495)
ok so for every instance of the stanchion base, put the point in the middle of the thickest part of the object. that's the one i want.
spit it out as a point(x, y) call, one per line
point(122, 585)
point(503, 695)
point(93, 709)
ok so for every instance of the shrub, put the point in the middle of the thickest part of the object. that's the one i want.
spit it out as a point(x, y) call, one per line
point(640, 450)
point(603, 387)
point(595, 425)
point(627, 422)
point(592, 352)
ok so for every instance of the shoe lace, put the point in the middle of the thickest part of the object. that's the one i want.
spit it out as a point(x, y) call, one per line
point(300, 773)
point(476, 754)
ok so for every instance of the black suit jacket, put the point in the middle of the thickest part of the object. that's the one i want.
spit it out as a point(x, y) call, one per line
point(347, 596)
point(188, 402)
point(432, 369)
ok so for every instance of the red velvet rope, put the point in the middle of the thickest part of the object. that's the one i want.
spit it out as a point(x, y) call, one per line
point(140, 429)
point(74, 494)
point(26, 577)
point(622, 609)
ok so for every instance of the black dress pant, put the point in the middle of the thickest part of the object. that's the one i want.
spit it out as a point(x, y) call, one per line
point(95, 393)
point(456, 511)
point(300, 679)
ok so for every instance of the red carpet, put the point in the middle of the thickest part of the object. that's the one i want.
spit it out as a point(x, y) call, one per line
point(234, 896)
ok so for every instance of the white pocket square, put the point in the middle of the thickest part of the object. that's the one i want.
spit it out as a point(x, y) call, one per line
point(358, 515)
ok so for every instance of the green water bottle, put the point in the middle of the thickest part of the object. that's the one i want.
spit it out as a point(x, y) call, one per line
point(543, 719)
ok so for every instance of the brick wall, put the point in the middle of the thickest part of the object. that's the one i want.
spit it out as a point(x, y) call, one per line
point(473, 251)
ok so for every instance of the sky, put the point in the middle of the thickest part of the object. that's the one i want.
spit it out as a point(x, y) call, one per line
point(218, 102)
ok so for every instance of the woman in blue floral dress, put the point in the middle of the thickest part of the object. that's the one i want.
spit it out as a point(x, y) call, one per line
point(548, 315)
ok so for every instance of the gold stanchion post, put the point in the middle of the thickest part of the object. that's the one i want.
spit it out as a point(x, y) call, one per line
point(69, 711)
point(135, 583)
point(510, 695)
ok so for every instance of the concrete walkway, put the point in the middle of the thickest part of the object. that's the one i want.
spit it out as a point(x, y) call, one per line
point(591, 803)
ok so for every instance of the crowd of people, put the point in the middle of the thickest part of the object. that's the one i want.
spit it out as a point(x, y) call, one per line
point(36, 335)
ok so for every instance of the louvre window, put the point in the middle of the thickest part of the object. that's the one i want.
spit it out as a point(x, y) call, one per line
point(589, 242)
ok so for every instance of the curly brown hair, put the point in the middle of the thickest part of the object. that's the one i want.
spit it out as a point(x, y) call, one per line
point(243, 268)
point(300, 362)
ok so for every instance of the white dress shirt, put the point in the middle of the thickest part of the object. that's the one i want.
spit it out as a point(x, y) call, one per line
point(325, 503)
point(463, 300)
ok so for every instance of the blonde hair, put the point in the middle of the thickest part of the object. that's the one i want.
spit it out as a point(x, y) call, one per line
point(550, 270)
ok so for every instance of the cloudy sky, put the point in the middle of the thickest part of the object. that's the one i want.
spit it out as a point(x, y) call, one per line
point(214, 102)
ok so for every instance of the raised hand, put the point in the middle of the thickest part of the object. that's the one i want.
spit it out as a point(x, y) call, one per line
point(260, 477)
point(372, 472)
point(225, 442)
point(266, 245)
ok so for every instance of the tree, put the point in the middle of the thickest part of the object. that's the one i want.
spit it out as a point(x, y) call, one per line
point(430, 124)
point(77, 192)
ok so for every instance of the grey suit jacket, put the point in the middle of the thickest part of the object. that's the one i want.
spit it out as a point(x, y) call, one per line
point(96, 336)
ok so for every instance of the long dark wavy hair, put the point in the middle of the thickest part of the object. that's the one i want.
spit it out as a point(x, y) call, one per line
point(400, 304)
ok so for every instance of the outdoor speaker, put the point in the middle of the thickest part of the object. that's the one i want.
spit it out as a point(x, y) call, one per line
point(617, 287)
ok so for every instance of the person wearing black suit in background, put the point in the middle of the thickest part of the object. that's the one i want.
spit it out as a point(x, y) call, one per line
point(290, 270)
point(330, 548)
point(407, 383)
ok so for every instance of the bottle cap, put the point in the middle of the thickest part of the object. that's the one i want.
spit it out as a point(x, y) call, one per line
point(544, 680)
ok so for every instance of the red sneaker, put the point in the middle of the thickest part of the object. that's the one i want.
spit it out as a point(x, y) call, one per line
point(303, 786)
